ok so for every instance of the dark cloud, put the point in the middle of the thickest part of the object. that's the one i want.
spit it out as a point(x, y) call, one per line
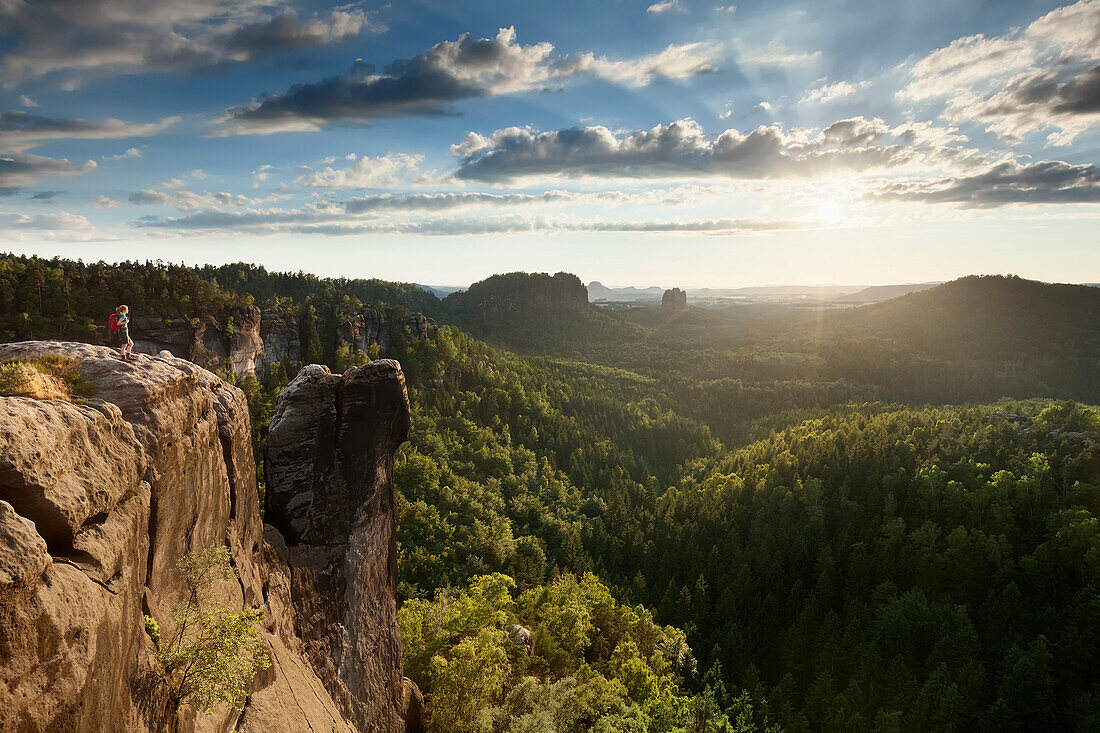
point(18, 171)
point(1047, 182)
point(425, 84)
point(75, 38)
point(20, 130)
point(681, 149)
point(45, 195)
point(449, 71)
point(149, 197)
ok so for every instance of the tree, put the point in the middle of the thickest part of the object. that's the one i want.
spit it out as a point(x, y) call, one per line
point(213, 652)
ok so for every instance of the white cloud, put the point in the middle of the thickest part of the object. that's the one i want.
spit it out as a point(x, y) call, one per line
point(666, 6)
point(128, 153)
point(776, 54)
point(105, 202)
point(763, 106)
point(366, 172)
point(829, 92)
point(674, 62)
point(1045, 77)
point(682, 150)
point(26, 101)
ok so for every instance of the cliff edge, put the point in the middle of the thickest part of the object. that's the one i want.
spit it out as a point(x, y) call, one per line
point(100, 497)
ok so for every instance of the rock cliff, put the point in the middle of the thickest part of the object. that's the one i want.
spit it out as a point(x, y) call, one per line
point(330, 498)
point(99, 500)
point(244, 339)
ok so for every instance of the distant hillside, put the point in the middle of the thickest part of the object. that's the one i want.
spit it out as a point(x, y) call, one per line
point(879, 293)
point(1006, 335)
point(599, 291)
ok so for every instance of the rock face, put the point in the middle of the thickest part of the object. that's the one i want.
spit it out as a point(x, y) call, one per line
point(248, 340)
point(330, 496)
point(99, 500)
point(233, 339)
point(674, 300)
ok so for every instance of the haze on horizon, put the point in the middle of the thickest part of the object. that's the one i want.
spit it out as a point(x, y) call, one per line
point(698, 145)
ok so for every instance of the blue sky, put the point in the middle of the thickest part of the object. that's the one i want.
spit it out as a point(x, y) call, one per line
point(671, 143)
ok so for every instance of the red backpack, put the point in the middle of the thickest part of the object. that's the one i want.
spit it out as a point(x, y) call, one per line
point(112, 323)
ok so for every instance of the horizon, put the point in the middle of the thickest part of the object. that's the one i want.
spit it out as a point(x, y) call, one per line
point(429, 142)
point(585, 281)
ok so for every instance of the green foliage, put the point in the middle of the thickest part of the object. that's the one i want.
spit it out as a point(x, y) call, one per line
point(213, 652)
point(596, 664)
point(832, 554)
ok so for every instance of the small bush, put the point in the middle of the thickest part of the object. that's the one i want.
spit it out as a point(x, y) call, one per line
point(214, 652)
point(52, 376)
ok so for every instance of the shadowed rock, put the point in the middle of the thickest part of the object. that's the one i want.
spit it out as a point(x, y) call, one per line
point(330, 495)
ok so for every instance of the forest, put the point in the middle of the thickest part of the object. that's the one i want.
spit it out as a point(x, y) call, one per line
point(753, 518)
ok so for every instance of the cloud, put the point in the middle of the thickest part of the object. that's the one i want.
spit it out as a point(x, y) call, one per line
point(26, 101)
point(61, 225)
point(830, 92)
point(763, 107)
point(775, 54)
point(448, 72)
point(105, 202)
point(20, 130)
point(286, 32)
point(176, 194)
point(674, 62)
point(1005, 184)
point(45, 195)
point(322, 222)
point(666, 6)
point(21, 170)
point(681, 150)
point(129, 153)
point(365, 172)
point(1043, 77)
point(74, 38)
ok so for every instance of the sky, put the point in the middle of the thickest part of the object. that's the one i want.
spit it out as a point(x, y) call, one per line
point(672, 143)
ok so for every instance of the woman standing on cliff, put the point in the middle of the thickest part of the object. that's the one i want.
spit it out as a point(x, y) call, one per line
point(125, 343)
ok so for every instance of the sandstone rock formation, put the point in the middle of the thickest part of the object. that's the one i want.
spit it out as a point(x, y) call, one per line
point(674, 300)
point(330, 495)
point(99, 500)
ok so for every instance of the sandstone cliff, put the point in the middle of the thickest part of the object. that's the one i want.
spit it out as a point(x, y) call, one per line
point(247, 339)
point(99, 500)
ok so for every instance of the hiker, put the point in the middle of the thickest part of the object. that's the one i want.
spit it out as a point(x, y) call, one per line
point(119, 323)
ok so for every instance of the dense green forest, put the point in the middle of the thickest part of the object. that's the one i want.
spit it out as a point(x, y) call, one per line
point(753, 518)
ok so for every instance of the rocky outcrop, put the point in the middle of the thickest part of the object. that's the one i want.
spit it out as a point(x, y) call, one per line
point(232, 340)
point(279, 333)
point(330, 497)
point(99, 500)
point(674, 300)
point(521, 292)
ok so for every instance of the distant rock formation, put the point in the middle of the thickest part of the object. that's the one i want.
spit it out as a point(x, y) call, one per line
point(99, 500)
point(521, 292)
point(674, 300)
